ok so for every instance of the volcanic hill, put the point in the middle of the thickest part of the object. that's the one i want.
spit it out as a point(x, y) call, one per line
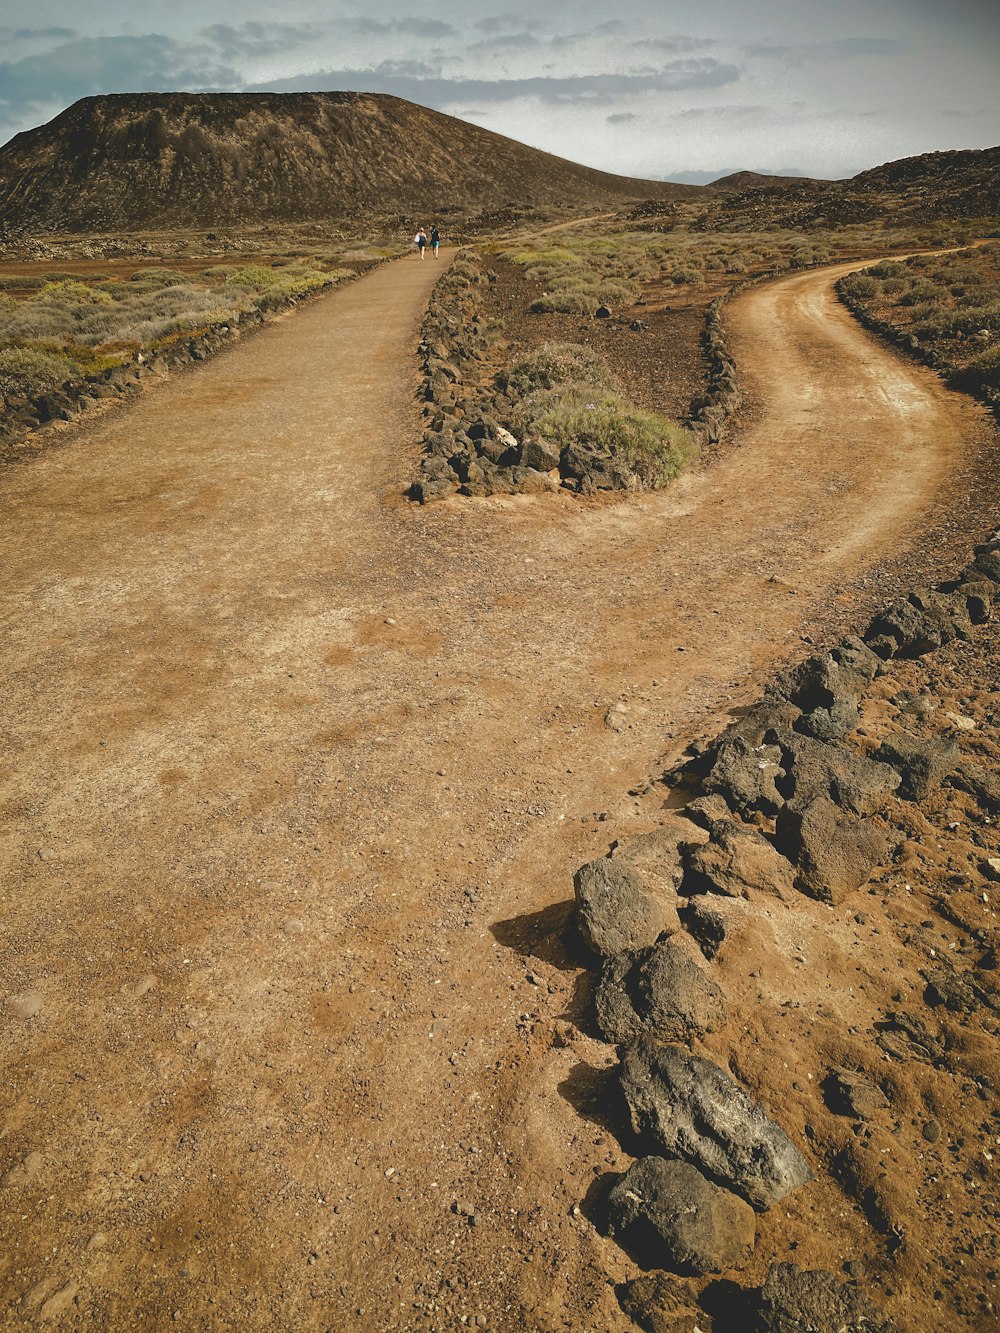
point(958, 186)
point(131, 161)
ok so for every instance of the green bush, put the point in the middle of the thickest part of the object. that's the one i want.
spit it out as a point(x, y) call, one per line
point(652, 447)
point(565, 303)
point(555, 364)
point(28, 371)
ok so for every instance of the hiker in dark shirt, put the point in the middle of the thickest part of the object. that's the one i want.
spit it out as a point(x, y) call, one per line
point(435, 241)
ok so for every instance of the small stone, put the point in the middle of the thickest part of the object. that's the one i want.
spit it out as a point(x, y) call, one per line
point(27, 1005)
point(293, 926)
point(961, 722)
point(931, 1131)
point(991, 867)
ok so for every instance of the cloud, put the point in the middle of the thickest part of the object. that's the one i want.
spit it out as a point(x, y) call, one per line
point(676, 76)
point(260, 39)
point(87, 66)
point(34, 34)
point(411, 27)
point(621, 118)
point(506, 41)
point(844, 48)
point(675, 46)
point(505, 23)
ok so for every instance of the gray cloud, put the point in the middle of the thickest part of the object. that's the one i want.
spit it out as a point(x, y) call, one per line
point(90, 65)
point(506, 41)
point(413, 27)
point(33, 34)
point(621, 118)
point(675, 46)
point(260, 39)
point(677, 76)
point(505, 23)
point(844, 48)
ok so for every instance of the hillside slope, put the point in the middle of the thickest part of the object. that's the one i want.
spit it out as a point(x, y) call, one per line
point(135, 160)
point(961, 186)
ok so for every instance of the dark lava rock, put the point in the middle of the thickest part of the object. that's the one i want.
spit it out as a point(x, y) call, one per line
point(669, 1216)
point(921, 763)
point(617, 908)
point(660, 991)
point(738, 861)
point(982, 783)
point(850, 1093)
point(851, 781)
point(690, 1108)
point(834, 851)
point(793, 1300)
point(660, 1303)
point(746, 775)
point(539, 454)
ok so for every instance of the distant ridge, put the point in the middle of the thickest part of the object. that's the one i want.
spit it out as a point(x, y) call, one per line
point(957, 186)
point(737, 181)
point(134, 161)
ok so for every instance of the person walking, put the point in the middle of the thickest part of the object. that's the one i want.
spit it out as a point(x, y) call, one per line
point(420, 241)
point(435, 241)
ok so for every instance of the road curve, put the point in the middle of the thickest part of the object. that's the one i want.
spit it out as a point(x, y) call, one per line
point(293, 773)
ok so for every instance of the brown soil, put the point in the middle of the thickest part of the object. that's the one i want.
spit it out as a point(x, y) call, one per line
point(296, 776)
point(661, 367)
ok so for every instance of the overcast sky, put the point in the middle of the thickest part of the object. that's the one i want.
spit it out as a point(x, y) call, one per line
point(640, 87)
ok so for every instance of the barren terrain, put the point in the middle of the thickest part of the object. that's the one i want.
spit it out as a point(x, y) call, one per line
point(294, 774)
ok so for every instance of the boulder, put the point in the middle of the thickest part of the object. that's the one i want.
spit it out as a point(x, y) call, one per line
point(539, 454)
point(813, 769)
point(793, 1300)
point(690, 1108)
point(737, 861)
point(834, 851)
point(746, 775)
point(909, 628)
point(922, 763)
point(669, 1216)
point(710, 919)
point(661, 992)
point(617, 908)
point(660, 1303)
point(981, 783)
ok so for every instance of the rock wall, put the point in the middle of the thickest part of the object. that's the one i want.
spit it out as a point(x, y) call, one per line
point(912, 346)
point(800, 818)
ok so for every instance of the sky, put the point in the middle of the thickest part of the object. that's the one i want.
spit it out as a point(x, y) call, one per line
point(647, 88)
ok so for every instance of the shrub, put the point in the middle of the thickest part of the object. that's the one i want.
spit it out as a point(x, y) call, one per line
point(986, 367)
point(67, 291)
point(555, 364)
point(565, 303)
point(686, 275)
point(654, 448)
point(28, 371)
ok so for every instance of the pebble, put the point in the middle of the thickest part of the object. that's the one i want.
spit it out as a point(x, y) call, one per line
point(27, 1005)
point(25, 1171)
point(293, 926)
point(931, 1131)
point(960, 721)
point(144, 985)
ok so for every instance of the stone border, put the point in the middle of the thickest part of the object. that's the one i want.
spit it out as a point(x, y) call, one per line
point(786, 762)
point(913, 347)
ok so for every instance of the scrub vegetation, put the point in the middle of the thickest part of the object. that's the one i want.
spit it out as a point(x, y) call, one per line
point(57, 327)
point(948, 304)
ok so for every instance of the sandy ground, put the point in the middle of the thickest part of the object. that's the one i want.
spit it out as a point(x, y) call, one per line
point(292, 772)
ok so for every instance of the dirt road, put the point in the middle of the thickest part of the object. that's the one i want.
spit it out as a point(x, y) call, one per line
point(295, 775)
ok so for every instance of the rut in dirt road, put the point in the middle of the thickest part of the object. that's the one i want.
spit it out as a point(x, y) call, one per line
point(281, 749)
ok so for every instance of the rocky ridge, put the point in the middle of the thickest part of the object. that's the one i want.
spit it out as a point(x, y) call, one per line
point(811, 813)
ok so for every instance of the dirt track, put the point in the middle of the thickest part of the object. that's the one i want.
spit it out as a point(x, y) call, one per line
point(288, 768)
